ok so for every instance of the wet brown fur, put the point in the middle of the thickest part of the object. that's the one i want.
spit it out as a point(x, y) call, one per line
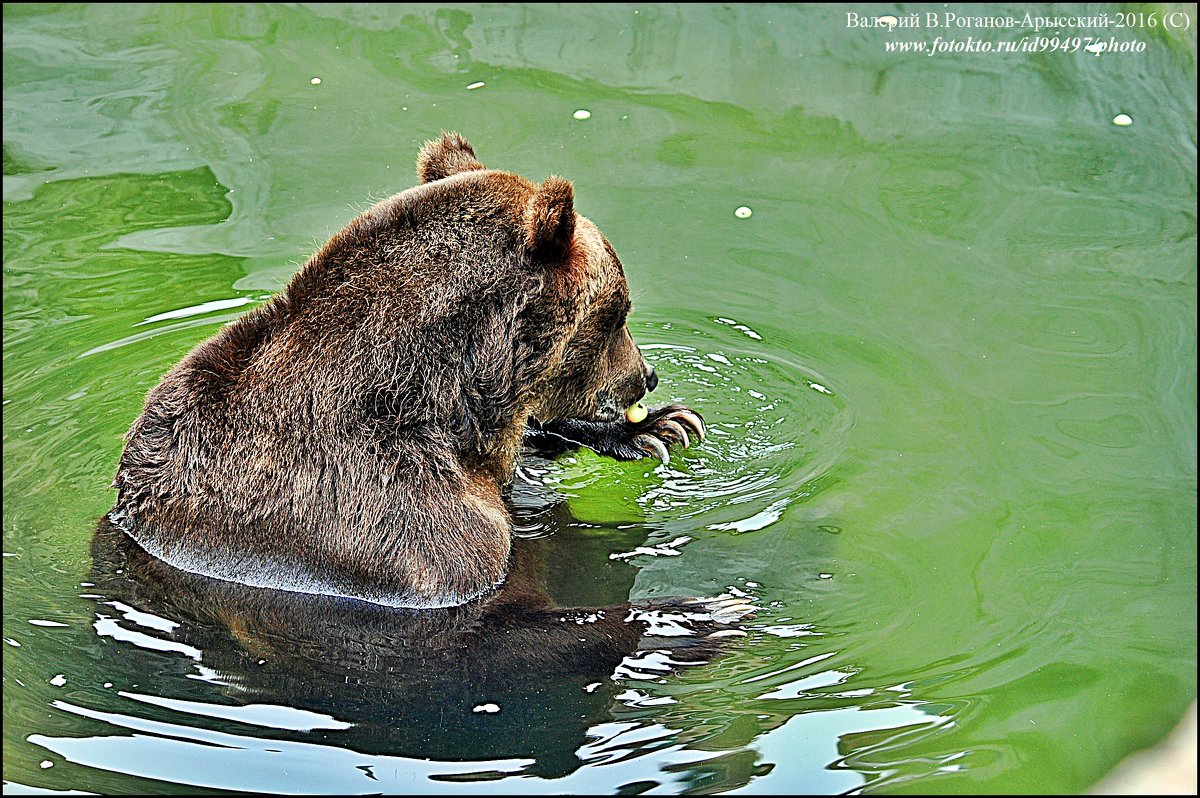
point(352, 435)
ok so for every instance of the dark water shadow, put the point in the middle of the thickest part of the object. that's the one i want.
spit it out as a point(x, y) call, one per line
point(521, 673)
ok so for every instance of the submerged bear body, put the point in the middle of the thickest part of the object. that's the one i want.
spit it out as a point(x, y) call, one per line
point(352, 436)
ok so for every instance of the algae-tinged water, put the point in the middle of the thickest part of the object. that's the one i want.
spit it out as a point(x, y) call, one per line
point(949, 362)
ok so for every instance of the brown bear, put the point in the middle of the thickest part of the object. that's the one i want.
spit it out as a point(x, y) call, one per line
point(353, 436)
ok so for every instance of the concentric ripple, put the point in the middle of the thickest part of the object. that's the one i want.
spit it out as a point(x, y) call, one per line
point(774, 426)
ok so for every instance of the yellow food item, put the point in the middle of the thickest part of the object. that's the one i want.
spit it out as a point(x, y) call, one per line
point(636, 413)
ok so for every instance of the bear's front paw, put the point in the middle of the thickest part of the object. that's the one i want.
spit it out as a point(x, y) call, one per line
point(621, 439)
point(664, 426)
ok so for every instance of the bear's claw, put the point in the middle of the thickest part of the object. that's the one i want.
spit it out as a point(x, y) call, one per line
point(692, 419)
point(652, 446)
point(678, 429)
point(726, 608)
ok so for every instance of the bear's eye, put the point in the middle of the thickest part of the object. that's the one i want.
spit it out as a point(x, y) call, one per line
point(612, 318)
point(623, 316)
point(623, 323)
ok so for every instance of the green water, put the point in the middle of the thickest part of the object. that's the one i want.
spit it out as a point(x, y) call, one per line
point(949, 364)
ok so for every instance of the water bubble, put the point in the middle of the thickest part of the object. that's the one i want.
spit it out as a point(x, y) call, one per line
point(476, 85)
point(743, 212)
point(490, 709)
point(582, 114)
point(1122, 120)
point(315, 81)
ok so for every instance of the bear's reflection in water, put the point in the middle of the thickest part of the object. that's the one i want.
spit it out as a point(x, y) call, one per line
point(520, 673)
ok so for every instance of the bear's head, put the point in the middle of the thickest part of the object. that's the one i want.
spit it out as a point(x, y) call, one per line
point(575, 356)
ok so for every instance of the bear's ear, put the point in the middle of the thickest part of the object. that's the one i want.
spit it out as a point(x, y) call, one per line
point(550, 221)
point(445, 156)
